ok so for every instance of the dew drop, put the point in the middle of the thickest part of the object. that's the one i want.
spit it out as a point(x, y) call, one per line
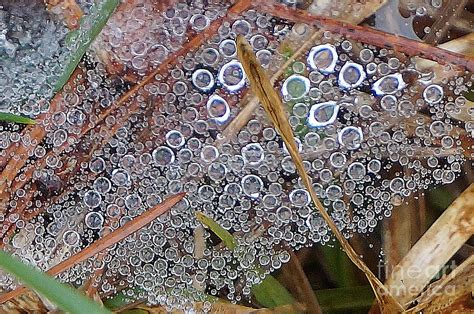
point(323, 58)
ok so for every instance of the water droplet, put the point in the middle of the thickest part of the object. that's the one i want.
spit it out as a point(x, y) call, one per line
point(350, 137)
point(252, 185)
point(323, 114)
point(210, 56)
point(71, 238)
point(209, 153)
point(374, 166)
point(323, 58)
point(433, 94)
point(217, 171)
point(232, 76)
point(92, 199)
point(296, 86)
point(174, 139)
point(299, 197)
point(356, 171)
point(163, 156)
point(338, 160)
point(389, 103)
point(218, 109)
point(102, 185)
point(389, 84)
point(253, 154)
point(351, 75)
point(94, 220)
point(203, 79)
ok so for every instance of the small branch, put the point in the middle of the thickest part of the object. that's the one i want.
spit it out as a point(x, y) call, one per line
point(368, 35)
point(105, 242)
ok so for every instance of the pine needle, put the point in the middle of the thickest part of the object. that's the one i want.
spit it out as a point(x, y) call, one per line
point(270, 99)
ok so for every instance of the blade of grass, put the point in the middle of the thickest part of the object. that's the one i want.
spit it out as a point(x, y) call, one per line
point(63, 296)
point(271, 101)
point(107, 241)
point(10, 117)
point(342, 270)
point(91, 26)
point(270, 292)
point(223, 234)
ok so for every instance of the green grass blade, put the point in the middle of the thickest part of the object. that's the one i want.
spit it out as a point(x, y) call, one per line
point(223, 234)
point(91, 26)
point(65, 297)
point(10, 117)
point(339, 266)
point(270, 292)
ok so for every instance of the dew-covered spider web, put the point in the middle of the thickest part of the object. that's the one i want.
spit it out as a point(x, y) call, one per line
point(372, 124)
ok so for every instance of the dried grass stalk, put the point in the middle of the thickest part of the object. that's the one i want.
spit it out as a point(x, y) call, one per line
point(447, 234)
point(252, 103)
point(271, 101)
point(458, 283)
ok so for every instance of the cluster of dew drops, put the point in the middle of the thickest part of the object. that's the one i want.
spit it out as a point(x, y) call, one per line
point(372, 130)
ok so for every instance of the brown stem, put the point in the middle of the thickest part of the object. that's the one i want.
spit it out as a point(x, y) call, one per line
point(368, 35)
